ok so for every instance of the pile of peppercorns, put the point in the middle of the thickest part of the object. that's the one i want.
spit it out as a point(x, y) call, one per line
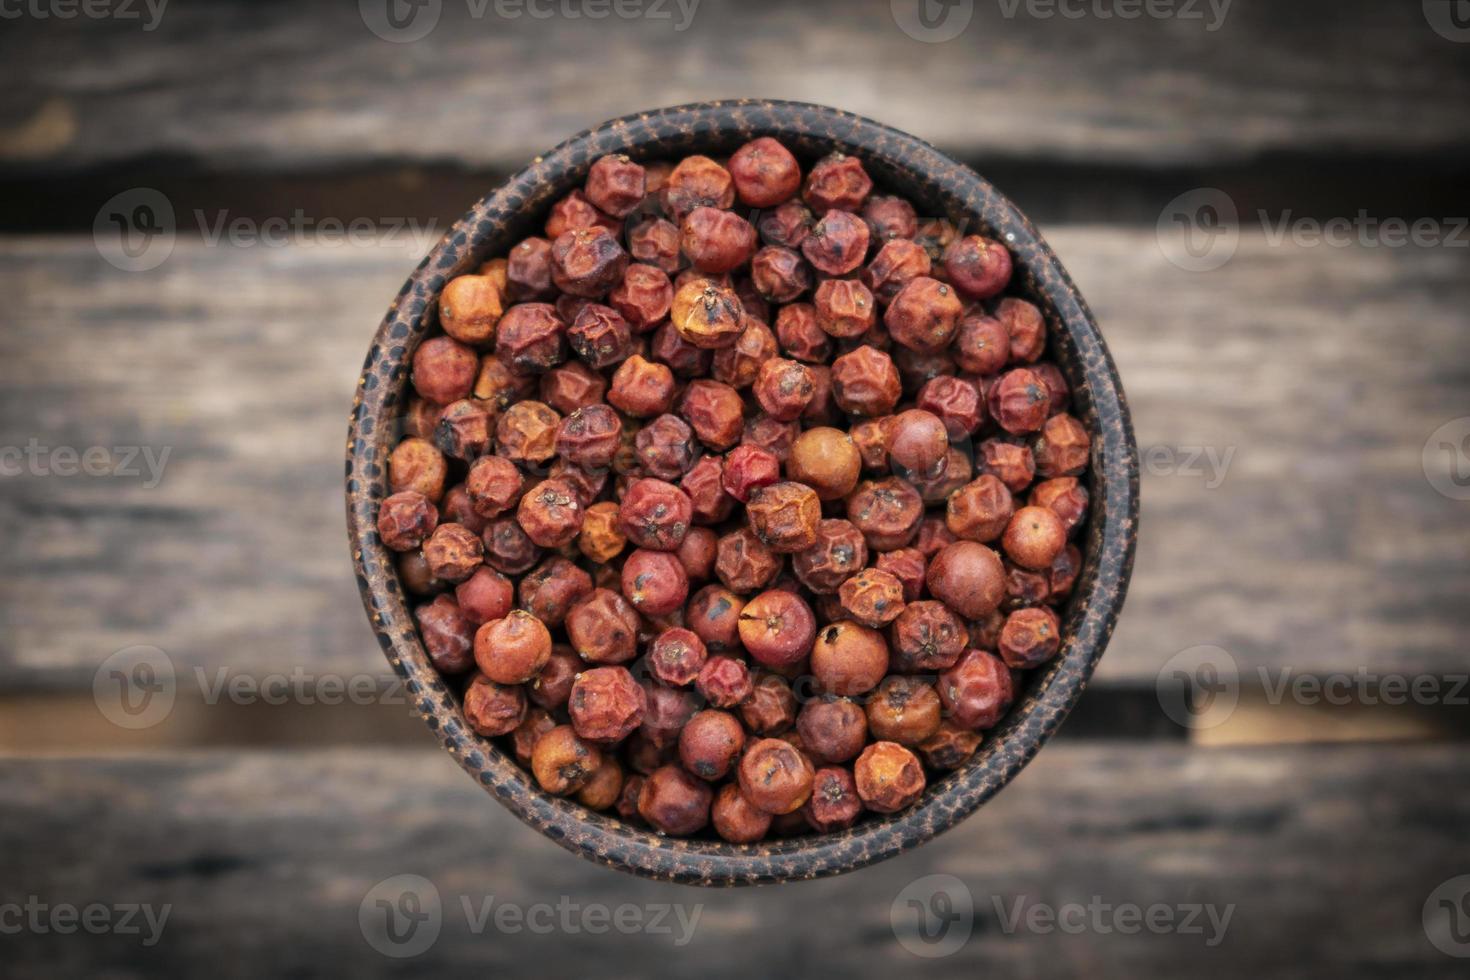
point(818, 414)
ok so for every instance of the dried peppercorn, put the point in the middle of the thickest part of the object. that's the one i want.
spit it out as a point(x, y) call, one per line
point(905, 710)
point(897, 263)
point(444, 370)
point(1062, 448)
point(715, 412)
point(538, 722)
point(839, 553)
point(654, 241)
point(469, 308)
point(783, 388)
point(777, 628)
point(417, 465)
point(616, 185)
point(865, 382)
point(980, 510)
point(950, 747)
point(775, 777)
point(927, 636)
point(735, 820)
point(872, 597)
point(1062, 575)
point(889, 777)
point(968, 577)
point(780, 275)
point(528, 271)
point(553, 685)
point(695, 182)
point(709, 503)
point(627, 804)
point(448, 635)
point(665, 447)
point(682, 358)
point(849, 659)
point(917, 444)
point(532, 338)
point(724, 681)
point(603, 628)
point(834, 729)
point(551, 513)
point(748, 468)
point(933, 536)
point(714, 616)
point(1018, 401)
point(834, 804)
point(787, 225)
point(405, 520)
point(738, 364)
point(956, 401)
point(674, 802)
point(870, 436)
point(507, 548)
point(978, 267)
point(1026, 328)
point(924, 315)
point(744, 563)
point(676, 656)
point(977, 690)
point(1034, 537)
point(606, 705)
point(844, 308)
point(1011, 464)
point(605, 787)
point(457, 508)
point(837, 181)
point(890, 217)
point(497, 386)
point(764, 173)
point(706, 314)
point(655, 514)
point(716, 241)
point(836, 244)
point(463, 430)
point(799, 335)
point(526, 432)
point(589, 437)
point(655, 582)
point(981, 344)
point(886, 511)
point(1030, 637)
point(453, 552)
point(825, 459)
point(514, 649)
point(563, 762)
point(642, 388)
point(587, 262)
point(600, 539)
point(484, 596)
point(600, 336)
point(644, 297)
point(492, 709)
point(549, 590)
point(710, 743)
point(784, 516)
point(576, 211)
point(668, 711)
point(697, 553)
point(414, 573)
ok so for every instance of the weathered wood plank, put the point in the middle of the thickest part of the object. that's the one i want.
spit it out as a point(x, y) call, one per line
point(1324, 859)
point(247, 86)
point(1324, 371)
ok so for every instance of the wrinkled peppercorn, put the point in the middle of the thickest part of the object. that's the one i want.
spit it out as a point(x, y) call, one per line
point(834, 803)
point(837, 181)
point(484, 596)
point(980, 510)
point(834, 729)
point(405, 520)
point(492, 709)
point(526, 432)
point(1018, 401)
point(453, 552)
point(837, 244)
point(898, 263)
point(706, 314)
point(865, 382)
point(512, 650)
point(724, 681)
point(924, 315)
point(528, 271)
point(784, 516)
point(1065, 497)
point(655, 242)
point(695, 182)
point(950, 747)
point(1030, 637)
point(844, 308)
point(981, 344)
point(655, 514)
point(1013, 465)
point(1062, 448)
point(783, 388)
point(448, 635)
point(642, 388)
point(889, 777)
point(872, 597)
point(655, 582)
point(507, 548)
point(780, 275)
point(587, 262)
point(905, 710)
point(538, 722)
point(606, 705)
point(676, 656)
point(837, 555)
point(775, 777)
point(716, 241)
point(616, 185)
point(444, 370)
point(886, 511)
point(744, 563)
point(415, 464)
point(603, 628)
point(563, 762)
point(800, 336)
point(765, 173)
point(550, 513)
point(735, 820)
point(977, 266)
point(739, 363)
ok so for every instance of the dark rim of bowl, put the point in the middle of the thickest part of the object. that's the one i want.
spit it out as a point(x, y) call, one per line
point(938, 186)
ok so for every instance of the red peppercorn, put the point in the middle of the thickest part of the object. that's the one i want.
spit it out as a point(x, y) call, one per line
point(606, 704)
point(780, 275)
point(957, 402)
point(655, 514)
point(981, 344)
point(978, 267)
point(839, 553)
point(834, 729)
point(849, 659)
point(1062, 448)
point(484, 596)
point(924, 315)
point(897, 263)
point(765, 173)
point(683, 358)
point(714, 616)
point(563, 762)
point(1026, 328)
point(918, 444)
point(526, 432)
point(787, 226)
point(739, 363)
point(784, 388)
point(905, 710)
point(616, 185)
point(980, 510)
point(603, 628)
point(927, 636)
point(405, 520)
point(655, 242)
point(716, 241)
point(744, 563)
point(492, 709)
point(514, 649)
point(775, 777)
point(674, 802)
point(889, 777)
point(800, 336)
point(845, 308)
point(836, 244)
point(890, 217)
point(448, 635)
point(576, 211)
point(715, 412)
point(642, 388)
point(1066, 497)
point(977, 690)
point(706, 314)
point(724, 681)
point(950, 747)
point(697, 553)
point(735, 820)
point(1018, 401)
point(886, 511)
point(1012, 464)
point(507, 548)
point(865, 382)
point(665, 447)
point(695, 182)
point(453, 552)
point(784, 516)
point(655, 582)
point(1030, 637)
point(834, 803)
point(1034, 537)
point(747, 469)
point(676, 657)
point(777, 628)
point(837, 181)
point(1063, 572)
point(969, 578)
point(710, 743)
point(587, 262)
point(528, 271)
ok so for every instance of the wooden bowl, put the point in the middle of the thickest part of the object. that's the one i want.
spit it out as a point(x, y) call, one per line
point(936, 185)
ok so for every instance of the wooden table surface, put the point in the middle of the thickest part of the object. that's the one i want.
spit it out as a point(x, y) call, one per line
point(1283, 401)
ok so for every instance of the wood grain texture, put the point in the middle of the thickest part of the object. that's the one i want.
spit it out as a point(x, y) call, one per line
point(266, 860)
point(1323, 549)
point(249, 86)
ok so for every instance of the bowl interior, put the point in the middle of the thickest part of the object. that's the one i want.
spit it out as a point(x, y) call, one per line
point(938, 187)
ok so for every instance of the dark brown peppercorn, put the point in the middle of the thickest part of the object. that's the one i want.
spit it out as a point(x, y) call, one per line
point(563, 762)
point(606, 704)
point(735, 820)
point(526, 432)
point(616, 185)
point(1033, 538)
point(977, 690)
point(405, 520)
point(978, 267)
point(787, 225)
point(463, 430)
point(492, 709)
point(655, 514)
point(927, 636)
point(780, 275)
point(1062, 575)
point(532, 338)
point(765, 173)
point(905, 710)
point(710, 744)
point(775, 777)
point(865, 382)
point(1025, 587)
point(777, 628)
point(665, 447)
point(587, 262)
point(889, 777)
point(449, 635)
point(839, 553)
point(886, 511)
point(837, 244)
point(950, 747)
point(674, 802)
point(837, 181)
point(553, 685)
point(444, 370)
point(453, 552)
point(716, 241)
point(655, 582)
point(668, 711)
point(784, 516)
point(507, 548)
point(834, 803)
point(603, 628)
